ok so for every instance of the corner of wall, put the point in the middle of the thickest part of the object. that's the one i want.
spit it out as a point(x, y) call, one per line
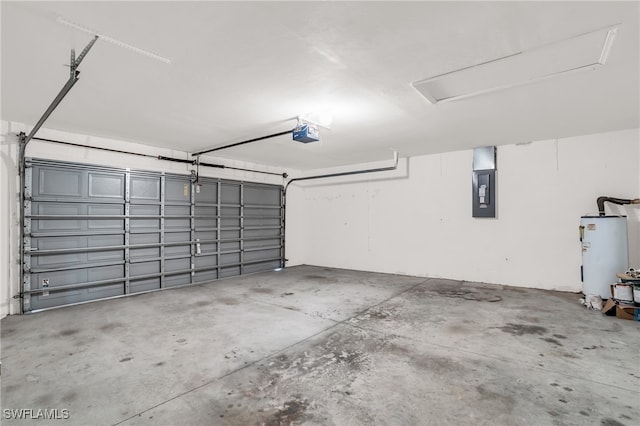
point(295, 226)
point(9, 220)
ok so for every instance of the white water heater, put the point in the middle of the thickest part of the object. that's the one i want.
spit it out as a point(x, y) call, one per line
point(605, 251)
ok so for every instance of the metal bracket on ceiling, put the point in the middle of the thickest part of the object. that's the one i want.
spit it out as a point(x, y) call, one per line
point(73, 78)
point(25, 139)
point(76, 63)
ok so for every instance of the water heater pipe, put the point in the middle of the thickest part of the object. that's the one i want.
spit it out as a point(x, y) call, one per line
point(619, 201)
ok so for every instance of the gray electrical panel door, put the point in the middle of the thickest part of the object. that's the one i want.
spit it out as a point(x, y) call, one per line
point(94, 232)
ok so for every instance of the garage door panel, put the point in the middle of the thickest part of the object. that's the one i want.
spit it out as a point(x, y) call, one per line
point(137, 286)
point(110, 231)
point(62, 298)
point(104, 256)
point(206, 222)
point(103, 185)
point(57, 261)
point(177, 237)
point(207, 211)
point(105, 224)
point(145, 188)
point(59, 225)
point(58, 209)
point(178, 210)
point(259, 267)
point(144, 268)
point(104, 240)
point(269, 242)
point(207, 191)
point(206, 217)
point(228, 211)
point(251, 256)
point(178, 217)
point(226, 222)
point(206, 235)
point(258, 211)
point(105, 272)
point(144, 224)
point(260, 233)
point(76, 276)
point(230, 271)
point(59, 278)
point(261, 221)
point(40, 260)
point(227, 234)
point(206, 261)
point(229, 246)
point(262, 195)
point(58, 242)
point(178, 190)
point(206, 276)
point(148, 238)
point(55, 182)
point(230, 193)
point(103, 291)
point(57, 299)
point(184, 250)
point(107, 243)
point(144, 253)
point(65, 223)
point(177, 224)
point(144, 210)
point(208, 248)
point(171, 265)
point(229, 258)
point(176, 280)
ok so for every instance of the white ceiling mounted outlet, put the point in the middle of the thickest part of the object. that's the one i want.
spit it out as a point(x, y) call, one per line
point(582, 52)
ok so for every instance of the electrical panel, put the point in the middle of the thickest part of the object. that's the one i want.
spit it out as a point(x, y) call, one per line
point(484, 182)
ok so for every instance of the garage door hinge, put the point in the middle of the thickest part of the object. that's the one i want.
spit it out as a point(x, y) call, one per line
point(18, 296)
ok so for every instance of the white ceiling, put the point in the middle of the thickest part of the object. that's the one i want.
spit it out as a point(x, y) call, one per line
point(242, 69)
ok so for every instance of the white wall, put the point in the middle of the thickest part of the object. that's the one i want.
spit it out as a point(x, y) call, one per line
point(9, 184)
point(422, 225)
point(416, 221)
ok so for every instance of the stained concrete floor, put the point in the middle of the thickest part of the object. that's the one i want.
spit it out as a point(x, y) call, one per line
point(320, 346)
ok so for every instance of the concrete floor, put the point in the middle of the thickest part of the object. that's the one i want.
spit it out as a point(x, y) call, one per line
point(321, 346)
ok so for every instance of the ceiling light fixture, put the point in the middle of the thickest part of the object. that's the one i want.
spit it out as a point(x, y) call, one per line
point(321, 118)
point(324, 119)
point(113, 40)
point(582, 52)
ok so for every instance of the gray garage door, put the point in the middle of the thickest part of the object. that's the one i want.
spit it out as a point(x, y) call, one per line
point(94, 232)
